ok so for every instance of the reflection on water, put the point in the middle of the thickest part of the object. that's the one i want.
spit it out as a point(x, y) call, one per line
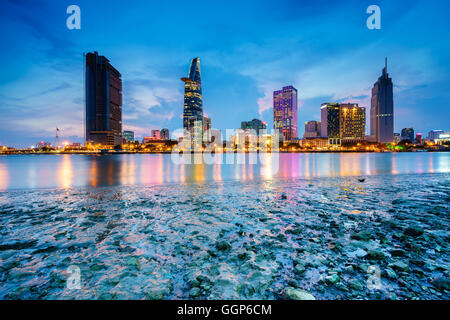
point(64, 171)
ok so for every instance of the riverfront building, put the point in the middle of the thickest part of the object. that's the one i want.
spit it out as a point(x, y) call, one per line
point(103, 101)
point(285, 112)
point(382, 109)
point(193, 106)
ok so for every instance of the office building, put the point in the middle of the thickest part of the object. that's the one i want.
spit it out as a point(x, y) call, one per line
point(285, 112)
point(255, 124)
point(352, 123)
point(329, 124)
point(382, 109)
point(103, 101)
point(408, 134)
point(164, 134)
point(193, 106)
point(128, 136)
point(312, 129)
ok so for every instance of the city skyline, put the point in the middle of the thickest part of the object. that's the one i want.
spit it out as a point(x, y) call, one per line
point(43, 89)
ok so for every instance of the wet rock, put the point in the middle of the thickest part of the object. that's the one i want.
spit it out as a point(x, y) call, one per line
point(397, 253)
point(358, 253)
point(442, 283)
point(375, 255)
point(222, 245)
point(299, 269)
point(332, 279)
point(134, 262)
point(293, 283)
point(18, 245)
point(355, 284)
point(389, 273)
point(414, 231)
point(157, 294)
point(363, 235)
point(195, 292)
point(399, 266)
point(297, 294)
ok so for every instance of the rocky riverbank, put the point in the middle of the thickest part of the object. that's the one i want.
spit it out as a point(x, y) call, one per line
point(322, 238)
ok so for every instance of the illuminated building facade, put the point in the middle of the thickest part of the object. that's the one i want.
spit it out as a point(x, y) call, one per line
point(329, 123)
point(103, 101)
point(285, 112)
point(434, 134)
point(312, 129)
point(206, 129)
point(128, 136)
point(156, 134)
point(418, 139)
point(193, 106)
point(352, 123)
point(382, 109)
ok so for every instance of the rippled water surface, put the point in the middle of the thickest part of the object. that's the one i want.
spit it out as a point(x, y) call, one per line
point(54, 171)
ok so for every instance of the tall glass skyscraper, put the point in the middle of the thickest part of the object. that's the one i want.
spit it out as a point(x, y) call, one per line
point(382, 109)
point(193, 105)
point(103, 101)
point(285, 112)
point(329, 113)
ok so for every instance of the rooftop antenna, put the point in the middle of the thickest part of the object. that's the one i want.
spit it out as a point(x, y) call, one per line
point(56, 141)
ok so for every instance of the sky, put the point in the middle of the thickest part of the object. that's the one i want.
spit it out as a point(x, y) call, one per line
point(247, 50)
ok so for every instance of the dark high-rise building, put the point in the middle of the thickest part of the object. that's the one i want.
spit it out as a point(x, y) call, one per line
point(408, 134)
point(382, 109)
point(103, 101)
point(330, 122)
point(164, 134)
point(254, 124)
point(285, 112)
point(193, 104)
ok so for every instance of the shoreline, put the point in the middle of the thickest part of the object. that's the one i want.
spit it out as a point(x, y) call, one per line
point(236, 152)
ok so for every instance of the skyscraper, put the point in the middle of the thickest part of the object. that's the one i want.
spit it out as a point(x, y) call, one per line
point(352, 122)
point(382, 109)
point(329, 113)
point(285, 112)
point(343, 122)
point(103, 101)
point(193, 104)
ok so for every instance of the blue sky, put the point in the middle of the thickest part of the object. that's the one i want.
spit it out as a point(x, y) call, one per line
point(247, 49)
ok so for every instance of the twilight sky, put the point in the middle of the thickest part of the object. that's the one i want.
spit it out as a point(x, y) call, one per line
point(247, 50)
